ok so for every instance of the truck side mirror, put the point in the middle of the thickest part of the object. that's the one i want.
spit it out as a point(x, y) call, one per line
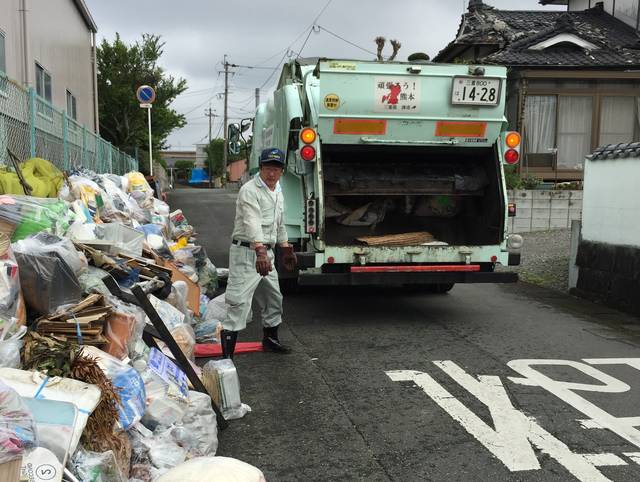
point(233, 138)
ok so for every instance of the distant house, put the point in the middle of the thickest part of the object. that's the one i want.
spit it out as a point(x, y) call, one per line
point(51, 46)
point(573, 79)
point(170, 157)
point(236, 169)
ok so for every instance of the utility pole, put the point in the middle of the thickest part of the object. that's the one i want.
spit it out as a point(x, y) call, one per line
point(209, 113)
point(257, 97)
point(224, 125)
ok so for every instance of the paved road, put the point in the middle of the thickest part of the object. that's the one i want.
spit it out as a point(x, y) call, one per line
point(484, 383)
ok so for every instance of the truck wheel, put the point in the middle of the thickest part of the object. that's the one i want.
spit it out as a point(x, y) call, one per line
point(441, 288)
point(438, 288)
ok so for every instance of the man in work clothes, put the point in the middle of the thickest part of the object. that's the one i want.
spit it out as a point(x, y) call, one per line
point(259, 225)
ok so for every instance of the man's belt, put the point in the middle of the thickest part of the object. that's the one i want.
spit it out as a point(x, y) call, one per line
point(247, 244)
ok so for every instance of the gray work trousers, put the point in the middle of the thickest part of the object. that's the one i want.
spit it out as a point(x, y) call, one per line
point(245, 285)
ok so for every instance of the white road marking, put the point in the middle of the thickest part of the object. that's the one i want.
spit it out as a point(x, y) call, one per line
point(634, 456)
point(514, 432)
point(621, 426)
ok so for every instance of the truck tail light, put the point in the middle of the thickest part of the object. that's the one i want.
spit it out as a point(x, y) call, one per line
point(308, 135)
point(512, 143)
point(310, 216)
point(308, 153)
point(511, 156)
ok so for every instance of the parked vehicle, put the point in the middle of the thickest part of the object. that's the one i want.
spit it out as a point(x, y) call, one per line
point(394, 171)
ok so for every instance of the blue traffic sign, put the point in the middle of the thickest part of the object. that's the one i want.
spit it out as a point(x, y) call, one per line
point(146, 94)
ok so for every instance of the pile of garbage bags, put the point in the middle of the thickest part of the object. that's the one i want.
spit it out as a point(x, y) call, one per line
point(81, 389)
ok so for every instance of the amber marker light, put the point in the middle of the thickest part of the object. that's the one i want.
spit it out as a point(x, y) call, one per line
point(308, 136)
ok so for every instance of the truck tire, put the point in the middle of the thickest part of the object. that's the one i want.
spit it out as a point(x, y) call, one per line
point(436, 288)
point(441, 288)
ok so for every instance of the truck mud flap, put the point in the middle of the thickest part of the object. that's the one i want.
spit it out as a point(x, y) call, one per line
point(364, 279)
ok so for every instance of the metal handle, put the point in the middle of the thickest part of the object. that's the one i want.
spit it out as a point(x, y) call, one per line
point(373, 140)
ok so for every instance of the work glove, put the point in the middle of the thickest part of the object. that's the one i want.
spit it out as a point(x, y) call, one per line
point(263, 263)
point(289, 258)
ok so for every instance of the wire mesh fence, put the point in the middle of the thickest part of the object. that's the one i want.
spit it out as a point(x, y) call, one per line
point(31, 127)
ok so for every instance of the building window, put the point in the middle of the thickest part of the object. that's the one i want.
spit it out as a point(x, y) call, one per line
point(43, 83)
point(574, 130)
point(619, 120)
point(561, 122)
point(540, 130)
point(72, 111)
point(3, 55)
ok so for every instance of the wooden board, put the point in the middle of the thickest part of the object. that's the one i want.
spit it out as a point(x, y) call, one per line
point(193, 289)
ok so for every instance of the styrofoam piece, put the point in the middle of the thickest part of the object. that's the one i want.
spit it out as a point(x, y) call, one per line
point(37, 385)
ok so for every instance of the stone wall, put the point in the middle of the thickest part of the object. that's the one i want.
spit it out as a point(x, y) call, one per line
point(542, 210)
point(610, 274)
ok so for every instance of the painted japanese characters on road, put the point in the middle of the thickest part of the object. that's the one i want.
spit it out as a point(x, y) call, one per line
point(514, 436)
point(399, 95)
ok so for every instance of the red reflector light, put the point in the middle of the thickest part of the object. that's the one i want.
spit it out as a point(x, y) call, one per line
point(308, 153)
point(416, 268)
point(511, 156)
point(494, 259)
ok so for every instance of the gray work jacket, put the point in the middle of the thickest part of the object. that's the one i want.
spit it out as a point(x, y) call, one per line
point(260, 214)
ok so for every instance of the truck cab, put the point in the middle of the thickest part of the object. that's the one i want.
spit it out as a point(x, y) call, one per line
point(395, 171)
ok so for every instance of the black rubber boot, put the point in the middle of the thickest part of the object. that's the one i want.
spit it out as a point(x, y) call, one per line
point(228, 342)
point(270, 342)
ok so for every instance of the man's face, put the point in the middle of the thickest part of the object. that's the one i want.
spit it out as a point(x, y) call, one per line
point(271, 175)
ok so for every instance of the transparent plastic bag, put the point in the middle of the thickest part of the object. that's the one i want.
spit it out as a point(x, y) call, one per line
point(164, 452)
point(128, 382)
point(17, 426)
point(11, 343)
point(216, 309)
point(47, 281)
point(229, 386)
point(199, 422)
point(9, 286)
point(47, 244)
point(95, 467)
point(21, 216)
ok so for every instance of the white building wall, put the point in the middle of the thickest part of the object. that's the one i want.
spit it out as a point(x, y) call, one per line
point(611, 202)
point(60, 41)
point(11, 27)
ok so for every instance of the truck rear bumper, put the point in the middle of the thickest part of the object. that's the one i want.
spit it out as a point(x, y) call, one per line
point(372, 279)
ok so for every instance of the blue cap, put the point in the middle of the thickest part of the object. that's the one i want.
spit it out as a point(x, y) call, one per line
point(272, 155)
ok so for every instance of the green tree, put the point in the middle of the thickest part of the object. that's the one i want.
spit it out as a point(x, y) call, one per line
point(122, 69)
point(215, 157)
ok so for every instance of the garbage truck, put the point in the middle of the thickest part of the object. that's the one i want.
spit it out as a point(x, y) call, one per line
point(395, 171)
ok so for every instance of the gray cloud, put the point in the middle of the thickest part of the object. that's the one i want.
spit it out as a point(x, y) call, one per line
point(198, 33)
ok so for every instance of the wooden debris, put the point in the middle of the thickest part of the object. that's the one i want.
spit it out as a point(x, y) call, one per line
point(404, 239)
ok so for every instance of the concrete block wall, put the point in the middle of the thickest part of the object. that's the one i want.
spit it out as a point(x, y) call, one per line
point(542, 210)
point(609, 273)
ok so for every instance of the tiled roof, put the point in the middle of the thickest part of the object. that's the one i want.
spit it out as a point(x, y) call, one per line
point(512, 33)
point(616, 151)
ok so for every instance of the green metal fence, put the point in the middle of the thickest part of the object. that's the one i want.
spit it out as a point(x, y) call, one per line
point(31, 127)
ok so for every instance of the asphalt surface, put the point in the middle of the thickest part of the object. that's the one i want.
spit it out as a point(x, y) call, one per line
point(329, 411)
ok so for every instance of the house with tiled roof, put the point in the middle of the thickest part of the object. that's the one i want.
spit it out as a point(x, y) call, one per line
point(573, 77)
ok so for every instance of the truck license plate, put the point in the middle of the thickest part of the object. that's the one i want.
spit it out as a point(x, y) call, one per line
point(475, 91)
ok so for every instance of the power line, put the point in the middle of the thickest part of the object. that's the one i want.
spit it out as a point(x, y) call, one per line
point(345, 40)
point(311, 30)
point(286, 50)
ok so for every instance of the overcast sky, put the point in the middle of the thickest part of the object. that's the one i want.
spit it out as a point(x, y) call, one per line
point(260, 33)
